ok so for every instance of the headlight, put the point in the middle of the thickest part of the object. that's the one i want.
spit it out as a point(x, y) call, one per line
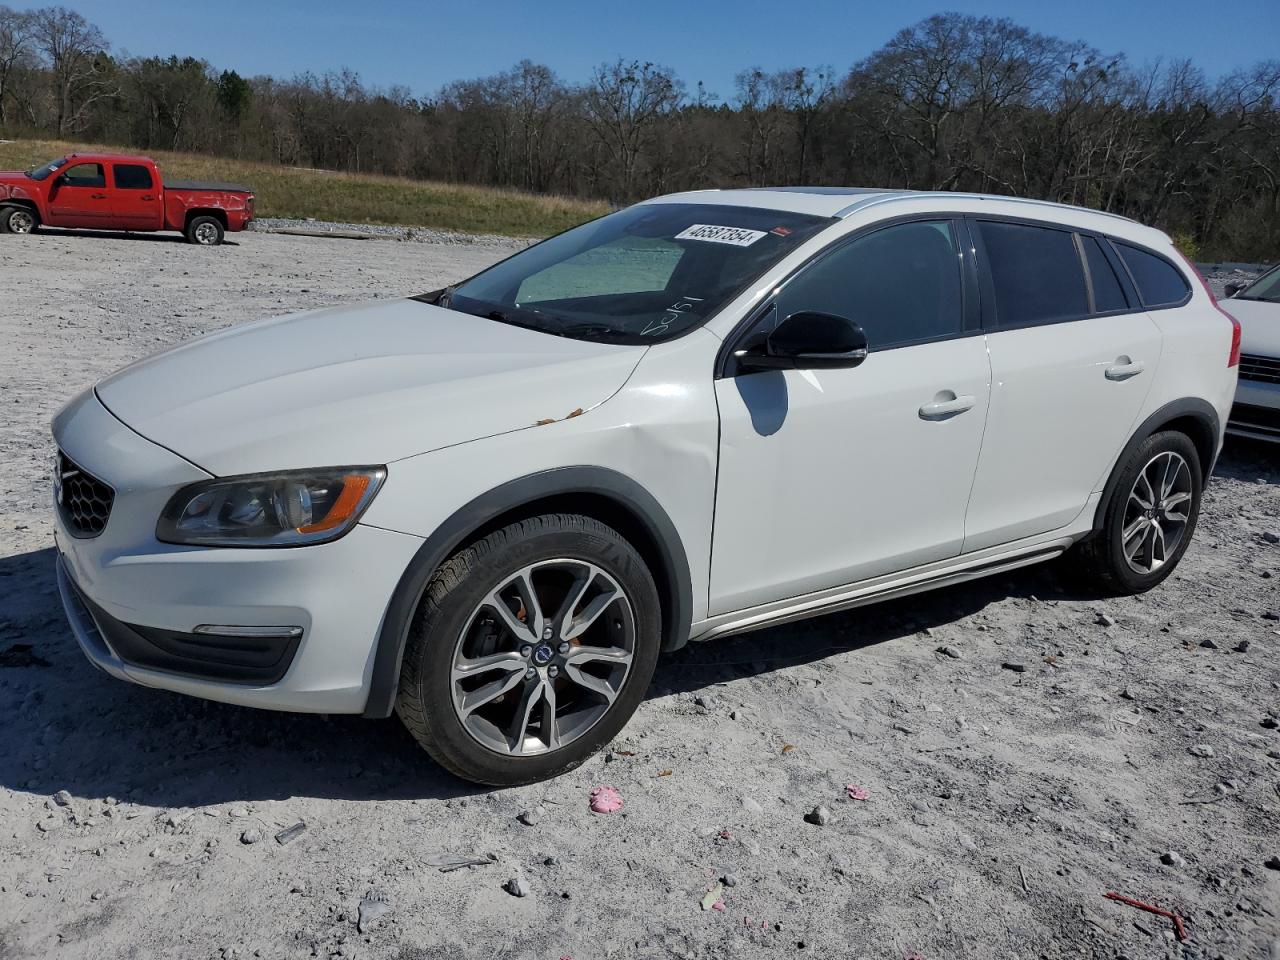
point(270, 509)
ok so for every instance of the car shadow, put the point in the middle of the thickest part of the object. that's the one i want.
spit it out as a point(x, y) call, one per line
point(70, 727)
point(146, 237)
point(1249, 460)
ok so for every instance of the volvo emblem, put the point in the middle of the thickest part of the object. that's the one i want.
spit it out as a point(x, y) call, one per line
point(542, 654)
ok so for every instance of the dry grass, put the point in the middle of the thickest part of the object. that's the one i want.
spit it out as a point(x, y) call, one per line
point(349, 198)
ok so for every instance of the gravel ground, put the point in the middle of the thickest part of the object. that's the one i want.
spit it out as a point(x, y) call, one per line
point(1135, 750)
point(374, 231)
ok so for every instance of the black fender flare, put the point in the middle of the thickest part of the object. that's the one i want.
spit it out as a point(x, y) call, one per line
point(674, 582)
point(1188, 407)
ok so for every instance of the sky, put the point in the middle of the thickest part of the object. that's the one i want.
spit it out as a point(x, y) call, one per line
point(423, 45)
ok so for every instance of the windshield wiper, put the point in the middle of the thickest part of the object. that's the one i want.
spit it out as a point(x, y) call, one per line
point(601, 330)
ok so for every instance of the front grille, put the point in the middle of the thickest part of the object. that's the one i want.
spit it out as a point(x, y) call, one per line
point(1261, 369)
point(83, 500)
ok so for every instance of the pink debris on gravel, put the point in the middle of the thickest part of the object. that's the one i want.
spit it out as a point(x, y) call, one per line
point(605, 800)
point(855, 792)
point(719, 906)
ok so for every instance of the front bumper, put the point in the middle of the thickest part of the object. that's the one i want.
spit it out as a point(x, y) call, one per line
point(134, 603)
point(1256, 412)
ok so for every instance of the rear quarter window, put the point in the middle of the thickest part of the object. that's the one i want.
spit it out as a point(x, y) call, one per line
point(1036, 274)
point(1160, 283)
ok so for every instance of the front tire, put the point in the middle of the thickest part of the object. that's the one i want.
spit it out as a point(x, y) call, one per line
point(1149, 518)
point(21, 220)
point(531, 649)
point(205, 231)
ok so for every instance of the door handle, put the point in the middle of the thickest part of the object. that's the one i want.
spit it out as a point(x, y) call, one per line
point(147, 196)
point(97, 196)
point(1124, 368)
point(946, 404)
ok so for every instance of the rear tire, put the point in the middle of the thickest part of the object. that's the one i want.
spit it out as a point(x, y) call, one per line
point(21, 220)
point(1148, 520)
point(205, 231)
point(497, 699)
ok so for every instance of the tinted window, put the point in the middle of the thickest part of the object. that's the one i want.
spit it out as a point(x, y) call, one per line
point(132, 176)
point(1107, 292)
point(901, 284)
point(1159, 282)
point(1036, 272)
point(85, 175)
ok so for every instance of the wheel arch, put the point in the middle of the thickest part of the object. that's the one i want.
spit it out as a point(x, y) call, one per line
point(1192, 416)
point(215, 212)
point(605, 495)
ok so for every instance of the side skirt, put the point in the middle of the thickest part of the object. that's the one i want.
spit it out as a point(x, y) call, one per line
point(955, 571)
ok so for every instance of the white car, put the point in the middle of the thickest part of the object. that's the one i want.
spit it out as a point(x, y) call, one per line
point(1256, 412)
point(492, 507)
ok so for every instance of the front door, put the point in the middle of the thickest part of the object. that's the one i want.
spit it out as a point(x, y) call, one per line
point(829, 477)
point(79, 197)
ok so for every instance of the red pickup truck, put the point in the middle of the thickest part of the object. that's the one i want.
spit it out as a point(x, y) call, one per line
point(105, 191)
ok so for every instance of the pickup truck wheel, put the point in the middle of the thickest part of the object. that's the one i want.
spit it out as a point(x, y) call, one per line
point(532, 647)
point(204, 231)
point(19, 220)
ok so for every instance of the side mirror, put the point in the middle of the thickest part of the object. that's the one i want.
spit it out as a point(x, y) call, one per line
point(1231, 289)
point(807, 341)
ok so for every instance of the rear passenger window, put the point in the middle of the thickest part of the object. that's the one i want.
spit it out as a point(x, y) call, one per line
point(132, 176)
point(1107, 292)
point(1159, 282)
point(901, 284)
point(1036, 272)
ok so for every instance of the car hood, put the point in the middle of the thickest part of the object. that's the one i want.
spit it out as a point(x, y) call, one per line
point(11, 178)
point(357, 385)
point(1259, 325)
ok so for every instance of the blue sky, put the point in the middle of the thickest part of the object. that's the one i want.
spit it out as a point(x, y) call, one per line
point(423, 45)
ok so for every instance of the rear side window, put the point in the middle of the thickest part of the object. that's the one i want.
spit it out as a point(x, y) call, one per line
point(132, 176)
point(901, 284)
point(1036, 273)
point(1159, 282)
point(85, 175)
point(1107, 292)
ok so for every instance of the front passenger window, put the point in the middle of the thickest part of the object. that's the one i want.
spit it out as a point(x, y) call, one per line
point(85, 175)
point(901, 284)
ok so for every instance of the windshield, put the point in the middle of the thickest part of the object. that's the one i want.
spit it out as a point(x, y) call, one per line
point(42, 173)
point(642, 275)
point(1266, 287)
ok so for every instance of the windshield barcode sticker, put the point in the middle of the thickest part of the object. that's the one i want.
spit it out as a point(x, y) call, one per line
point(737, 236)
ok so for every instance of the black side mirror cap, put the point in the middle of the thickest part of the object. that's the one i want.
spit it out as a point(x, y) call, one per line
point(808, 341)
point(1231, 289)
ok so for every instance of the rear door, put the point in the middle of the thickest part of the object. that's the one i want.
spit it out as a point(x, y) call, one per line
point(1073, 356)
point(78, 197)
point(135, 197)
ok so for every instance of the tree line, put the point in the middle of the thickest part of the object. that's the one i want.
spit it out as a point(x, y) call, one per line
point(954, 102)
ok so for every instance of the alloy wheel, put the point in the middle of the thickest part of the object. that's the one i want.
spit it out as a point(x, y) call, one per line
point(543, 656)
point(1157, 513)
point(20, 221)
point(206, 234)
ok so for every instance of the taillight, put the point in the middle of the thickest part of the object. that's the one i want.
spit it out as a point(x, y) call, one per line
point(1233, 357)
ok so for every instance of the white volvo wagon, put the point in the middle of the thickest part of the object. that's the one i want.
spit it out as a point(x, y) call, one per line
point(490, 508)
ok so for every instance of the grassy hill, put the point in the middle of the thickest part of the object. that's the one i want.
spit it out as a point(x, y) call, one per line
point(349, 198)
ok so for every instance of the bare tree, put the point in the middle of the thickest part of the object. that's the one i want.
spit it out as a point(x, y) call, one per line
point(17, 46)
point(76, 52)
point(624, 102)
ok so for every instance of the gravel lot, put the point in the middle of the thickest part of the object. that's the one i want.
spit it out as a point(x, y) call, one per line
point(1137, 751)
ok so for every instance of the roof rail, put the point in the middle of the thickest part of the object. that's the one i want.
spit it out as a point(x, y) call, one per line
point(891, 196)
